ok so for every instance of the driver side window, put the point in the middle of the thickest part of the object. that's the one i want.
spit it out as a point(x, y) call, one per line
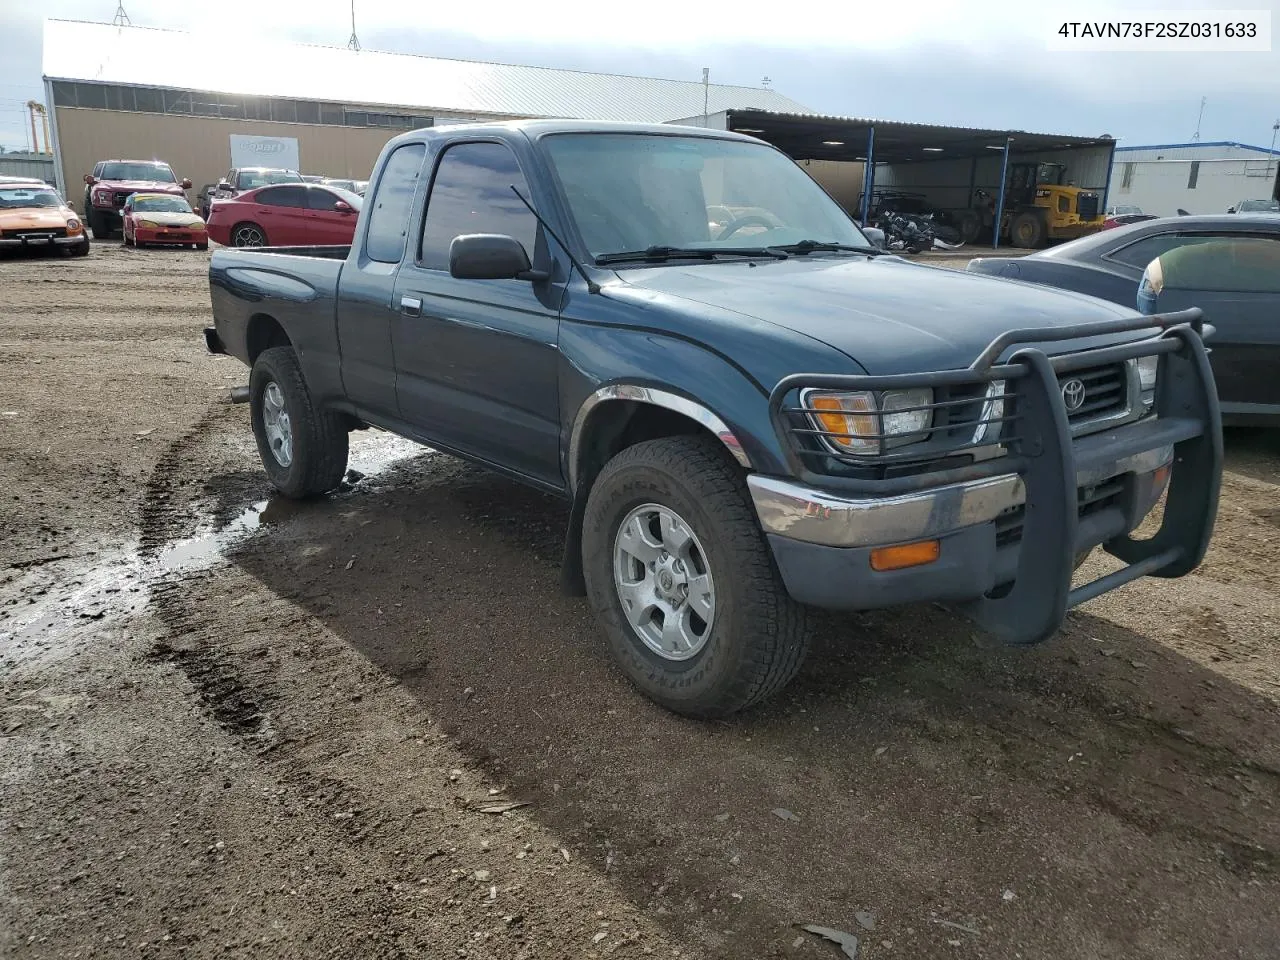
point(471, 193)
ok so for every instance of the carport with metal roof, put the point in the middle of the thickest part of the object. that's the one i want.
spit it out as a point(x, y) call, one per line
point(923, 155)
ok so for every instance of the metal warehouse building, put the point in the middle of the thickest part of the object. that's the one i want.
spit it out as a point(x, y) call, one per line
point(854, 157)
point(142, 93)
point(1197, 177)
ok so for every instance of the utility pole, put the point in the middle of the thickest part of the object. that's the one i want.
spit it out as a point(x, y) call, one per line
point(1271, 154)
point(1196, 135)
point(121, 18)
point(706, 96)
point(354, 42)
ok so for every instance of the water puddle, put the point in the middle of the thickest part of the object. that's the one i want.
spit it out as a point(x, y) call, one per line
point(62, 597)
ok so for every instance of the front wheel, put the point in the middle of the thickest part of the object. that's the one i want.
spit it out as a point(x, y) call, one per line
point(684, 583)
point(303, 450)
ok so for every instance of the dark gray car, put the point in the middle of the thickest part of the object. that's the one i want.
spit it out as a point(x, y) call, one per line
point(1110, 264)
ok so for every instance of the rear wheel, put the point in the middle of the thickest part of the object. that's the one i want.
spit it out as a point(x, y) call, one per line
point(683, 581)
point(1027, 230)
point(303, 450)
point(248, 235)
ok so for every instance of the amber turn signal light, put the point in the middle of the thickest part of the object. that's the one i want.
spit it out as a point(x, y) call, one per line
point(905, 555)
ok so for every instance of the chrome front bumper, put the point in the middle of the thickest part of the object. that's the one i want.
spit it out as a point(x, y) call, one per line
point(39, 241)
point(798, 512)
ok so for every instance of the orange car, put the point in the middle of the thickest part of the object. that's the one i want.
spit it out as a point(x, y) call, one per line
point(162, 218)
point(34, 216)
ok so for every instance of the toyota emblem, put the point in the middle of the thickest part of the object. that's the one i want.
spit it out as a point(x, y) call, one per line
point(1073, 395)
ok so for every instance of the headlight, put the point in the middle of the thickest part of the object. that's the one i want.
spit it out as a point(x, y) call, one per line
point(101, 196)
point(1148, 367)
point(72, 224)
point(149, 224)
point(864, 423)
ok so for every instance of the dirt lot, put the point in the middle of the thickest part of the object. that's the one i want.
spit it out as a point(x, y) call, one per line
point(236, 727)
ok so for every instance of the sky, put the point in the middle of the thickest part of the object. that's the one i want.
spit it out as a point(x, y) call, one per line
point(984, 63)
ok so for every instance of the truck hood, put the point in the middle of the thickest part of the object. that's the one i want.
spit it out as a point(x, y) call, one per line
point(889, 315)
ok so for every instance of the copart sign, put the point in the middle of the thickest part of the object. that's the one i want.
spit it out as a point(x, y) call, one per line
point(264, 152)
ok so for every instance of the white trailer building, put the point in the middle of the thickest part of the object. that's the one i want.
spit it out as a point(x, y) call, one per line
point(1195, 177)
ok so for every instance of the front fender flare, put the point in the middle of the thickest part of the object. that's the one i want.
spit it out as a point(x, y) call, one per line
point(654, 397)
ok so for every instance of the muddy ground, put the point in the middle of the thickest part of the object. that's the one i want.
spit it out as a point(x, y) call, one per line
point(235, 727)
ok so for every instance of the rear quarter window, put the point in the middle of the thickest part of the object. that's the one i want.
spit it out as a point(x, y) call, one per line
point(388, 227)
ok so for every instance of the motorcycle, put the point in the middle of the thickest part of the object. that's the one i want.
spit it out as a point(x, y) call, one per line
point(910, 234)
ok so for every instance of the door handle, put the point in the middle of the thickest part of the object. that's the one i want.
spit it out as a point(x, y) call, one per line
point(411, 306)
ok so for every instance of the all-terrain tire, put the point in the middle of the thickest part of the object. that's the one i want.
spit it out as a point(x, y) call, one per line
point(318, 441)
point(758, 635)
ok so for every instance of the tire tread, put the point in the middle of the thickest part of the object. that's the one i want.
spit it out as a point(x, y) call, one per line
point(325, 451)
point(778, 639)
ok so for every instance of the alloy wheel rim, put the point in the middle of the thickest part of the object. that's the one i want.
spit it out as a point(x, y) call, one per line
point(276, 424)
point(664, 582)
point(249, 237)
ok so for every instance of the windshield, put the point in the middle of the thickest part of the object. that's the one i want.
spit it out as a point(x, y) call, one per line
point(1259, 206)
point(155, 172)
point(261, 178)
point(161, 205)
point(635, 191)
point(13, 198)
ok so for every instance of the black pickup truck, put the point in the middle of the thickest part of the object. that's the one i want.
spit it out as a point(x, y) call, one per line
point(752, 410)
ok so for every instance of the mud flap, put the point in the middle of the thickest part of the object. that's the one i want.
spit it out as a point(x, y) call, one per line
point(572, 581)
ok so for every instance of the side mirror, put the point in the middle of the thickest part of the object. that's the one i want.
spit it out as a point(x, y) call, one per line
point(876, 236)
point(223, 185)
point(90, 179)
point(1231, 209)
point(186, 184)
point(343, 207)
point(490, 256)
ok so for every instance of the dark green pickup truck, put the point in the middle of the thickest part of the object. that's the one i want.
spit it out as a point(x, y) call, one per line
point(752, 410)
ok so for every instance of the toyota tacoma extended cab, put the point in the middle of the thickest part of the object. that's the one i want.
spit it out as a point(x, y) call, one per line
point(752, 411)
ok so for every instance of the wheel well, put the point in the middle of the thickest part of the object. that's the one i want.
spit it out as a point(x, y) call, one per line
point(264, 332)
point(617, 424)
point(612, 427)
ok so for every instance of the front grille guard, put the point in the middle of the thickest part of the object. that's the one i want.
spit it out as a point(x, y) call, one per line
point(1040, 448)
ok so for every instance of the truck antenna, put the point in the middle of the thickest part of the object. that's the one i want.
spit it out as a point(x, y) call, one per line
point(592, 286)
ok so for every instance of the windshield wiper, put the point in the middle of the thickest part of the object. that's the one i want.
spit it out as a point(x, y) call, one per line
point(661, 253)
point(810, 246)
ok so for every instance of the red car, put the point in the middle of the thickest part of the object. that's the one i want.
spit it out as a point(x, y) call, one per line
point(162, 218)
point(286, 215)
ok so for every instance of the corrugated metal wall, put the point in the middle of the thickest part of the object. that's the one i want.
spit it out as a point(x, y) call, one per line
point(200, 147)
point(38, 166)
point(946, 182)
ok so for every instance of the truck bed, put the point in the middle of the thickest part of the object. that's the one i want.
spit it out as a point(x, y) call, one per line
point(297, 286)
